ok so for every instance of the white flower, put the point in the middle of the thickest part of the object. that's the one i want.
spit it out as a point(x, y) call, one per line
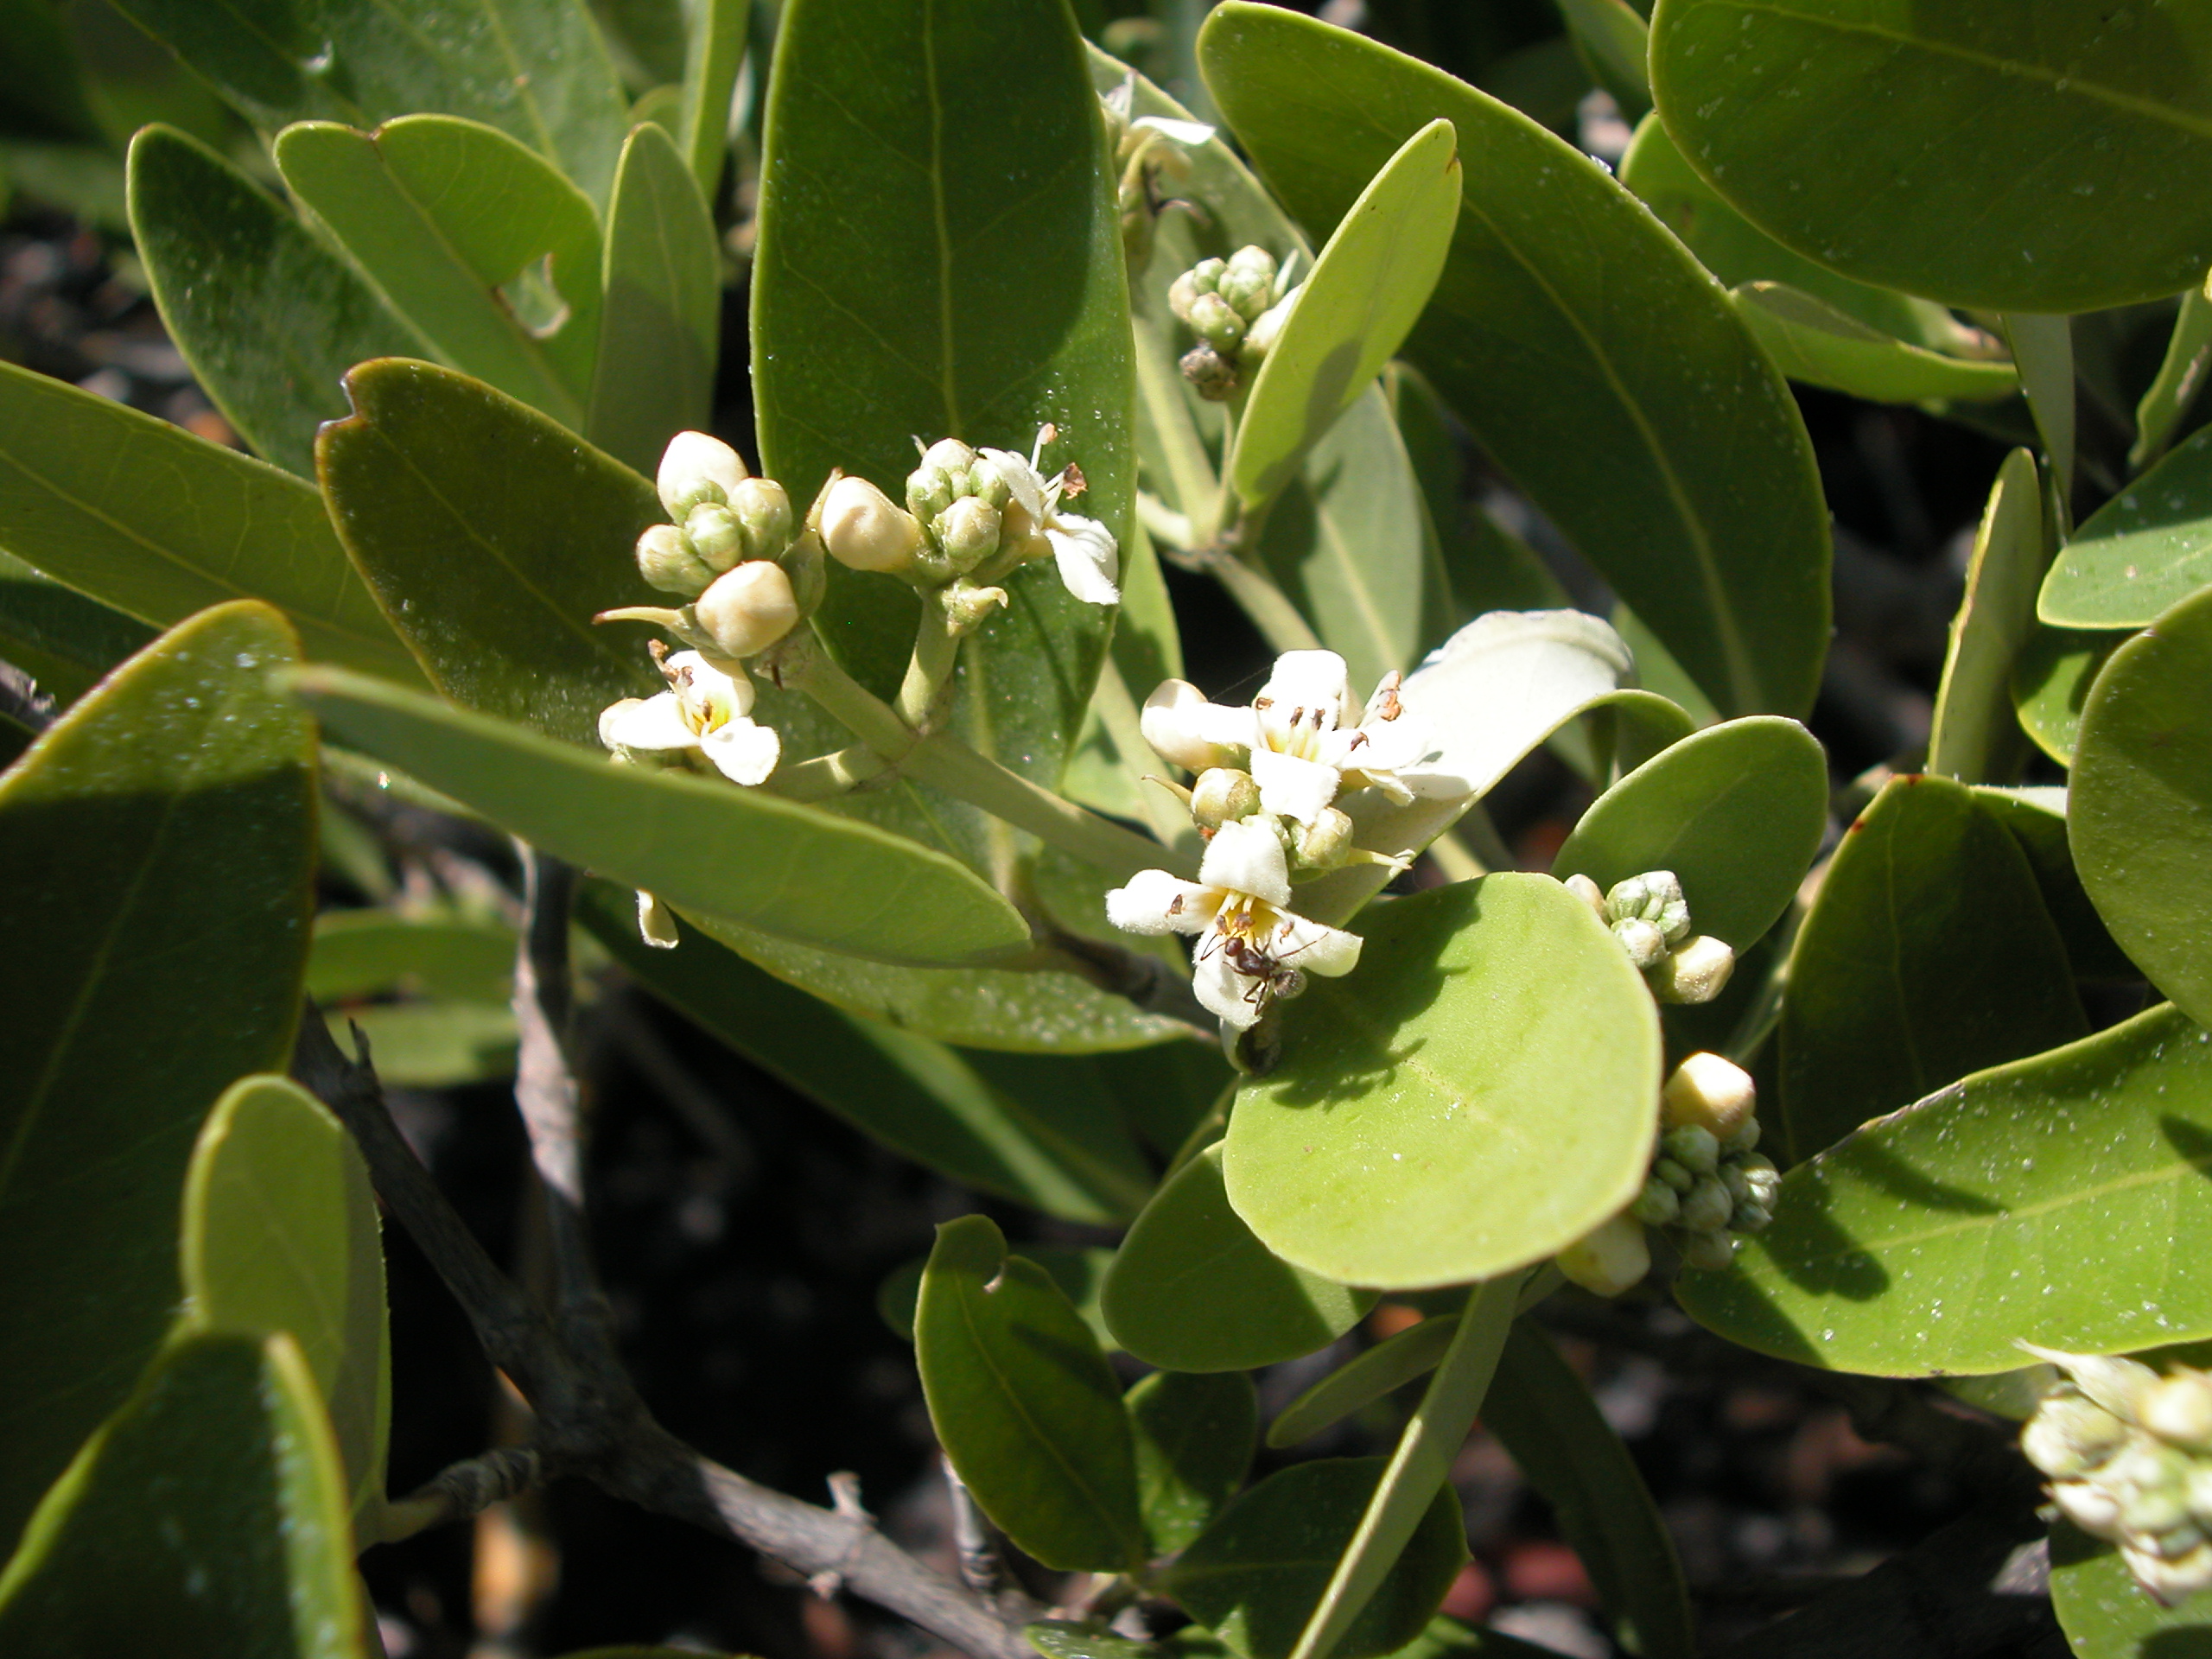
point(1293, 740)
point(1146, 131)
point(1252, 947)
point(703, 709)
point(696, 467)
point(1090, 562)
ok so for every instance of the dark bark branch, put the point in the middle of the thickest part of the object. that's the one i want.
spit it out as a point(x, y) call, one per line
point(21, 701)
point(463, 1488)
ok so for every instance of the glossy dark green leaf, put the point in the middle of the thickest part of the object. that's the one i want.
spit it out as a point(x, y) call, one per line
point(157, 845)
point(1927, 955)
point(1195, 1435)
point(1361, 1380)
point(1192, 1290)
point(2106, 1615)
point(2051, 682)
point(447, 216)
point(1541, 1411)
point(1614, 37)
point(1684, 474)
point(2171, 392)
point(1811, 341)
point(145, 517)
point(662, 280)
point(364, 952)
point(2139, 804)
point(268, 317)
point(1254, 1575)
point(211, 1508)
point(1047, 1140)
point(534, 68)
point(281, 1234)
point(711, 57)
point(1078, 1273)
point(2148, 547)
point(1025, 1405)
point(1736, 812)
point(1485, 1078)
point(790, 869)
point(1976, 737)
point(1926, 1243)
point(1992, 175)
point(2036, 819)
point(492, 536)
point(926, 273)
point(63, 639)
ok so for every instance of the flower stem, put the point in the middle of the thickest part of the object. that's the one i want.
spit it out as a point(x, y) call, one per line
point(924, 694)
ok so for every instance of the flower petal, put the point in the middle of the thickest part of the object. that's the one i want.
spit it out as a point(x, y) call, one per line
point(1247, 856)
point(1221, 990)
point(1308, 679)
point(1312, 948)
point(1156, 902)
point(1183, 132)
point(1296, 789)
point(713, 694)
point(1021, 478)
point(656, 723)
point(1187, 731)
point(1089, 561)
point(743, 752)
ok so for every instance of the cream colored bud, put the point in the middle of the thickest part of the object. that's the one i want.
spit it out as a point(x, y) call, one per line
point(1612, 1258)
point(2172, 1582)
point(697, 470)
point(948, 455)
point(2117, 1384)
point(763, 509)
point(1182, 294)
point(968, 532)
point(1589, 893)
point(2088, 1506)
point(1695, 971)
point(2069, 1436)
point(2179, 1410)
point(747, 609)
point(1645, 945)
point(1267, 328)
point(1323, 844)
point(1712, 1092)
point(864, 530)
point(1223, 795)
point(667, 560)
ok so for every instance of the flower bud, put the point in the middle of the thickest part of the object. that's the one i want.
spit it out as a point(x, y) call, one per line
point(1657, 1205)
point(1247, 282)
point(697, 470)
point(763, 510)
point(1708, 1252)
point(1611, 1259)
point(666, 560)
point(1667, 1170)
point(2200, 1493)
point(1692, 1146)
point(747, 609)
point(1200, 279)
point(2116, 1383)
point(1222, 795)
point(1745, 1137)
point(1645, 945)
point(1323, 844)
point(2068, 1436)
point(1214, 321)
point(807, 566)
point(715, 535)
point(1707, 1206)
point(968, 532)
point(2152, 1481)
point(2179, 1410)
point(929, 491)
point(2090, 1507)
point(1589, 893)
point(863, 529)
point(1212, 376)
point(968, 606)
point(1267, 328)
point(948, 455)
point(1695, 971)
point(1713, 1093)
point(1750, 1216)
point(1656, 897)
point(2170, 1582)
point(987, 484)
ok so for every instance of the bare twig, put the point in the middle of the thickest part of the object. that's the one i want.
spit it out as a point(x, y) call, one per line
point(463, 1489)
point(980, 1566)
point(21, 701)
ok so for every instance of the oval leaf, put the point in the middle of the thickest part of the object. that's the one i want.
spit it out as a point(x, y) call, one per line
point(1737, 811)
point(1976, 737)
point(1485, 1080)
point(2035, 818)
point(2051, 682)
point(1192, 1290)
point(2145, 550)
point(2181, 376)
point(2140, 803)
point(1368, 289)
point(1811, 341)
point(1992, 174)
point(1927, 955)
point(1925, 1243)
point(1194, 1439)
point(156, 847)
point(1025, 1405)
point(1684, 475)
point(776, 865)
point(61, 639)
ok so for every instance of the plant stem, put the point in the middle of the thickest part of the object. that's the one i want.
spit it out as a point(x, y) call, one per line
point(924, 694)
point(827, 776)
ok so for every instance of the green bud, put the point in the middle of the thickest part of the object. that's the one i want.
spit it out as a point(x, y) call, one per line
point(1589, 893)
point(1645, 945)
point(1745, 1137)
point(1205, 275)
point(666, 560)
point(2068, 1436)
point(1212, 376)
point(1182, 294)
point(987, 484)
point(1214, 321)
point(1750, 1216)
point(1247, 282)
point(1673, 1174)
point(1708, 1206)
point(862, 530)
point(1708, 1252)
point(2175, 1542)
point(2179, 1410)
point(1710, 1092)
point(1693, 1147)
point(747, 609)
point(1657, 1205)
point(967, 531)
point(808, 567)
point(2152, 1481)
point(929, 491)
point(1654, 897)
point(763, 511)
point(1323, 844)
point(1223, 795)
point(715, 535)
point(948, 455)
point(1695, 971)
point(1612, 1258)
point(1733, 1177)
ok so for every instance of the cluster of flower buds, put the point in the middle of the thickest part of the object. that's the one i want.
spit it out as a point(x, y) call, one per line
point(1651, 918)
point(2129, 1453)
point(1146, 148)
point(1235, 306)
point(1708, 1183)
point(972, 517)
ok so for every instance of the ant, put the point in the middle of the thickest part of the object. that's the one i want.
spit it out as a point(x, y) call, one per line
point(1270, 978)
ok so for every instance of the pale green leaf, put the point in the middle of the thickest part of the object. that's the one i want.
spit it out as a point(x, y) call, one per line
point(1811, 341)
point(2148, 547)
point(1976, 737)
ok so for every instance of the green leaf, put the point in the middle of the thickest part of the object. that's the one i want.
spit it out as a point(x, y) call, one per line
point(1684, 475)
point(1066, 1639)
point(211, 1508)
point(1811, 341)
point(2148, 547)
point(1485, 1078)
point(966, 280)
point(2106, 1615)
point(1025, 1405)
point(1447, 1638)
point(1976, 737)
point(1616, 39)
point(663, 281)
point(475, 238)
point(1353, 311)
point(1738, 253)
point(42, 93)
point(1541, 1409)
point(2043, 348)
point(534, 68)
point(2051, 682)
point(434, 1045)
point(1927, 955)
point(711, 57)
point(364, 952)
point(145, 517)
point(1989, 177)
point(281, 1234)
point(774, 864)
point(1045, 1141)
point(1737, 811)
point(492, 536)
point(2138, 803)
point(1078, 1273)
point(2036, 819)
point(2168, 398)
point(157, 848)
point(1360, 1381)
point(1192, 1289)
point(57, 635)
point(1194, 1441)
point(1254, 1575)
point(269, 319)
point(1925, 1244)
